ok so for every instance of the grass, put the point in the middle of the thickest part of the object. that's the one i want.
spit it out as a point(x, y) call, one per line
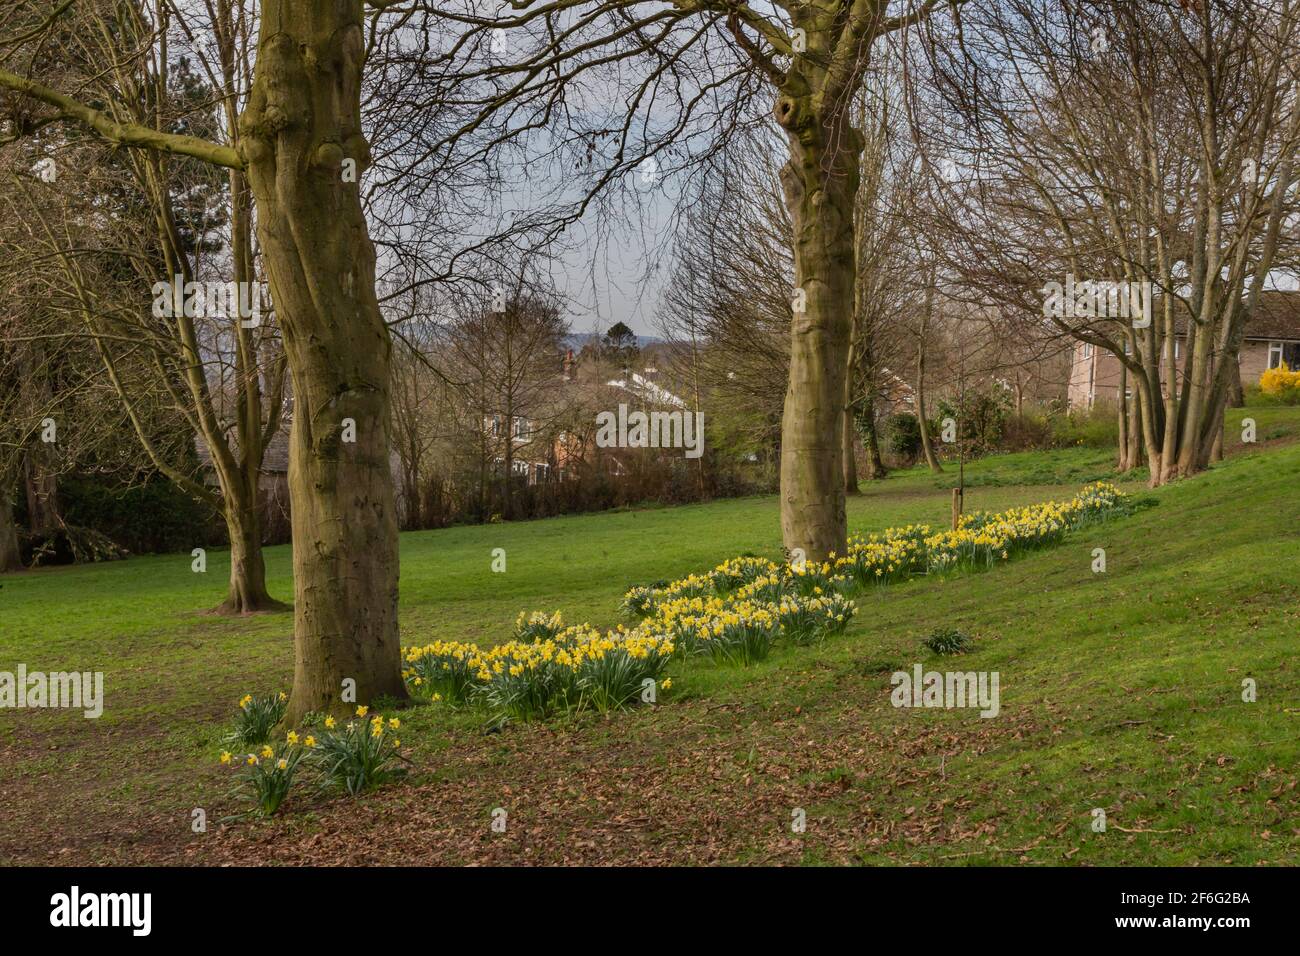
point(1120, 691)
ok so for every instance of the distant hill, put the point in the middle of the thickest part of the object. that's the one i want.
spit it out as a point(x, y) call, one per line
point(577, 340)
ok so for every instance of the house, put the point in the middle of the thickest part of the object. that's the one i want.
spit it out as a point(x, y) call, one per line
point(528, 463)
point(272, 482)
point(1272, 337)
point(598, 381)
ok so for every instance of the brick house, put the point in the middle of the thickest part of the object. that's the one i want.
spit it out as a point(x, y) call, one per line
point(1272, 338)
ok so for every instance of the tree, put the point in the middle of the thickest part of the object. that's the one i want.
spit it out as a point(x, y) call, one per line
point(810, 58)
point(301, 146)
point(209, 365)
point(508, 364)
point(618, 347)
point(1153, 144)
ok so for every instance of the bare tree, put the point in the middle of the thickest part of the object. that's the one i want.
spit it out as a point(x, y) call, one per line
point(1150, 143)
point(810, 58)
point(302, 148)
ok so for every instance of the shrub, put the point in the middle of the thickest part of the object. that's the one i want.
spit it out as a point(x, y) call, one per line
point(901, 435)
point(1096, 427)
point(981, 416)
point(948, 641)
point(1281, 385)
point(155, 516)
point(257, 717)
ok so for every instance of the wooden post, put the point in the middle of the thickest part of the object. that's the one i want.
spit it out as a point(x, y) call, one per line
point(956, 507)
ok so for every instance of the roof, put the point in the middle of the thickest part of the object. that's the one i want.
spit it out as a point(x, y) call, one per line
point(275, 461)
point(643, 388)
point(1277, 316)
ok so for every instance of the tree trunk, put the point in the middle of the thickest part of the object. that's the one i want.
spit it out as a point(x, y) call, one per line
point(42, 486)
point(871, 443)
point(1124, 463)
point(850, 453)
point(303, 121)
point(927, 447)
point(10, 555)
point(820, 182)
point(1236, 393)
point(247, 593)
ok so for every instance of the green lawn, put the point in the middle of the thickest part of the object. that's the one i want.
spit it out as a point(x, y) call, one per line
point(1120, 691)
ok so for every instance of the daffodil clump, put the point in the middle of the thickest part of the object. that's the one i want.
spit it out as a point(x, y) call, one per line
point(361, 754)
point(742, 626)
point(355, 757)
point(257, 717)
point(268, 772)
point(738, 610)
point(530, 628)
point(984, 539)
point(576, 668)
point(443, 670)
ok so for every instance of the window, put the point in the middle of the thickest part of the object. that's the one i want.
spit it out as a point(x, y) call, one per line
point(521, 428)
point(1284, 352)
point(1087, 350)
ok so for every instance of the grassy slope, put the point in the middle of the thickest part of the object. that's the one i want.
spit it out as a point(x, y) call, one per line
point(1119, 691)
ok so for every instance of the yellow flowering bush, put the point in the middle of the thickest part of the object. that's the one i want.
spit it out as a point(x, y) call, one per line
point(1280, 382)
